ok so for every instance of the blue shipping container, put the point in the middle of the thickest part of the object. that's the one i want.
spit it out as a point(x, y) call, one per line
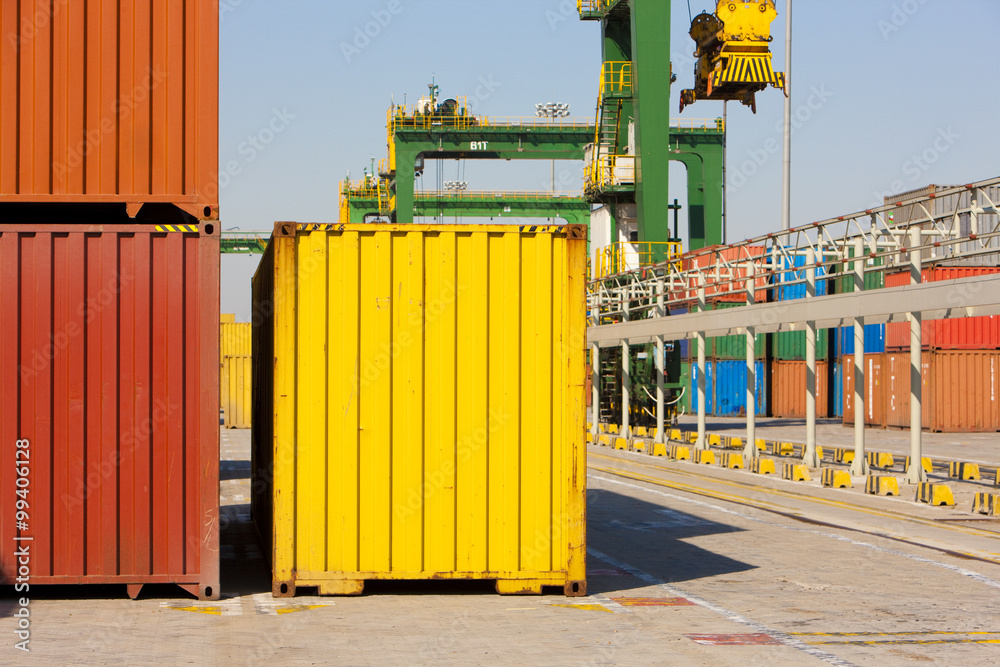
point(731, 389)
point(798, 291)
point(709, 389)
point(874, 340)
point(686, 343)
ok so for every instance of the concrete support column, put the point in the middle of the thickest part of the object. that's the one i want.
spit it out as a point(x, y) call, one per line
point(860, 465)
point(916, 472)
point(810, 457)
point(702, 375)
point(750, 449)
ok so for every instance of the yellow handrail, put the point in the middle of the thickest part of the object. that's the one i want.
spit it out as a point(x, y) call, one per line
point(610, 170)
point(622, 257)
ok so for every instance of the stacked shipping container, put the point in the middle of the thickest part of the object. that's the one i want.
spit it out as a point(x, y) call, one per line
point(109, 257)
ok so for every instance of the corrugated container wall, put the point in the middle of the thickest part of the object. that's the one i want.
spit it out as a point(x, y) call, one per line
point(709, 388)
point(874, 389)
point(788, 389)
point(896, 374)
point(963, 333)
point(234, 339)
point(236, 391)
point(421, 405)
point(110, 101)
point(109, 367)
point(731, 388)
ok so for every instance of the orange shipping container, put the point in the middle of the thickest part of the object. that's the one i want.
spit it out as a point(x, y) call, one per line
point(874, 393)
point(788, 389)
point(110, 101)
point(959, 391)
point(897, 390)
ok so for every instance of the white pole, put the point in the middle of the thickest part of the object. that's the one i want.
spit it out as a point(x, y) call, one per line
point(786, 206)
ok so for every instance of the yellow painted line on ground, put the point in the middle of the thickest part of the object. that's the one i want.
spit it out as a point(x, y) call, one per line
point(795, 496)
point(214, 611)
point(585, 607)
point(291, 609)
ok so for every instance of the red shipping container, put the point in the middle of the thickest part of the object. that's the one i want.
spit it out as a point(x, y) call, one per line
point(720, 284)
point(967, 333)
point(110, 101)
point(788, 389)
point(109, 367)
point(874, 392)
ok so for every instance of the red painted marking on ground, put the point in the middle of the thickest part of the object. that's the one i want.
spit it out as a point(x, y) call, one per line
point(735, 640)
point(608, 572)
point(653, 602)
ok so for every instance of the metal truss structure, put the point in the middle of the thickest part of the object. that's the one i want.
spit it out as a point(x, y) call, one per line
point(953, 226)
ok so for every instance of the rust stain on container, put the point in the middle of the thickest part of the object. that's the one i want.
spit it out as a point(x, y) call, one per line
point(110, 101)
point(109, 367)
point(788, 382)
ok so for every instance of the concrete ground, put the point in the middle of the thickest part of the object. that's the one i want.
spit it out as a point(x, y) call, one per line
point(687, 565)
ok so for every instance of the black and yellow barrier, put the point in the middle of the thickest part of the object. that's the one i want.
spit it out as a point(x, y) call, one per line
point(882, 486)
point(837, 479)
point(935, 494)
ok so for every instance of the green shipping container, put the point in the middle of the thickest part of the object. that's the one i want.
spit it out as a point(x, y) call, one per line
point(873, 279)
point(791, 345)
point(685, 402)
point(728, 347)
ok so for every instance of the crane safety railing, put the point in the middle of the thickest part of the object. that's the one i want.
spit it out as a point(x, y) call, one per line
point(956, 225)
point(616, 78)
point(610, 171)
point(624, 257)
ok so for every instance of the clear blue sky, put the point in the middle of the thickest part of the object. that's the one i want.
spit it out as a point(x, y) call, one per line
point(876, 84)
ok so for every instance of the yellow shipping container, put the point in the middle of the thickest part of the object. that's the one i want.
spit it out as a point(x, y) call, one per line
point(421, 405)
point(236, 392)
point(234, 341)
point(227, 318)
